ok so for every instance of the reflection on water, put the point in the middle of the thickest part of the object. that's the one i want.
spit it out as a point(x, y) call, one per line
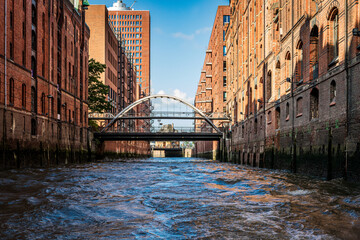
point(174, 199)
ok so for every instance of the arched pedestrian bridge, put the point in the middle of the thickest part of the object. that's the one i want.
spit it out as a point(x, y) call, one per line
point(159, 118)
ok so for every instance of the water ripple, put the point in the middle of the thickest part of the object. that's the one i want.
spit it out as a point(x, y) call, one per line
point(175, 198)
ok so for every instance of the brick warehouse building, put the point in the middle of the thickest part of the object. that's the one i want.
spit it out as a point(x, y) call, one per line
point(293, 86)
point(211, 92)
point(43, 87)
point(107, 47)
point(134, 28)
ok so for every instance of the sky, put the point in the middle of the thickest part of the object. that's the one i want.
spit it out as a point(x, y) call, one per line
point(180, 33)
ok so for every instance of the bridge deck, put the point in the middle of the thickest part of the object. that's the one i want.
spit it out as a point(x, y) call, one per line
point(158, 136)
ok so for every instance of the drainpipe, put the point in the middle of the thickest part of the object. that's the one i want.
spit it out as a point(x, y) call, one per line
point(5, 56)
point(49, 74)
point(264, 82)
point(5, 83)
point(348, 89)
point(293, 138)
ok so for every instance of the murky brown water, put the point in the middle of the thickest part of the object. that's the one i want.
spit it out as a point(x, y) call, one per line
point(174, 199)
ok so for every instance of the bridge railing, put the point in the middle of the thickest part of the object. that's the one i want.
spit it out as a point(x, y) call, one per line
point(160, 130)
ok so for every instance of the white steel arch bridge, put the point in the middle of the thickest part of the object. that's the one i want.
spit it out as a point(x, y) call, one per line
point(137, 121)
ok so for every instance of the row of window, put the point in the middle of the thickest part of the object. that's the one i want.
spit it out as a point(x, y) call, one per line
point(131, 17)
point(137, 42)
point(127, 23)
point(34, 103)
point(129, 29)
point(130, 35)
point(313, 110)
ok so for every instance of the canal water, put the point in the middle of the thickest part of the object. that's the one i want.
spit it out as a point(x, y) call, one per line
point(174, 198)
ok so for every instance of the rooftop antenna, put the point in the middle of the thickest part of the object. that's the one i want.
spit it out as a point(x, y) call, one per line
point(133, 4)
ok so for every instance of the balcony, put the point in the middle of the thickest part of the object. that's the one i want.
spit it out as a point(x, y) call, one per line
point(209, 76)
point(209, 51)
point(209, 63)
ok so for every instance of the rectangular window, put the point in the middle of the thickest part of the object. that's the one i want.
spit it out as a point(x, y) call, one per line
point(224, 81)
point(224, 50)
point(226, 19)
point(224, 96)
point(224, 33)
point(224, 66)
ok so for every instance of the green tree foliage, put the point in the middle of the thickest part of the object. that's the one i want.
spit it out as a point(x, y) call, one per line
point(98, 91)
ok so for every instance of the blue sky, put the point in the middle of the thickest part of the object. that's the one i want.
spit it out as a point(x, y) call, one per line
point(180, 32)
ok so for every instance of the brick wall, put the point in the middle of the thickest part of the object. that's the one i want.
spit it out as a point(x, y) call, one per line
point(30, 117)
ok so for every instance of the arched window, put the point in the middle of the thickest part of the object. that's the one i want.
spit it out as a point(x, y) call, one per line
point(33, 99)
point(33, 67)
point(277, 117)
point(33, 40)
point(333, 36)
point(252, 110)
point(11, 49)
point(269, 117)
point(43, 21)
point(23, 96)
point(314, 52)
point(33, 127)
point(11, 91)
point(299, 68)
point(33, 14)
point(268, 86)
point(332, 92)
point(255, 126)
point(287, 112)
point(43, 103)
point(277, 71)
point(314, 104)
point(52, 107)
point(288, 65)
point(299, 107)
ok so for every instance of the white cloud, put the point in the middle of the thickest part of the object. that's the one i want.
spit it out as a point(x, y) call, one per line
point(177, 93)
point(191, 36)
point(203, 30)
point(158, 30)
point(183, 36)
point(182, 95)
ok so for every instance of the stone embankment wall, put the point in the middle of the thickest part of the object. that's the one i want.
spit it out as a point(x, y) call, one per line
point(54, 143)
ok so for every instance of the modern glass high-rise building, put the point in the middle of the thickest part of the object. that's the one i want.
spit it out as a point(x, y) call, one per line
point(134, 28)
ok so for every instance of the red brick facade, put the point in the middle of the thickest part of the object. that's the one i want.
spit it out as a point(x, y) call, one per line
point(107, 47)
point(292, 85)
point(212, 84)
point(43, 79)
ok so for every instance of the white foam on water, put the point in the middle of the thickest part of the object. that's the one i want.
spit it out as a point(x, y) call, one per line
point(299, 192)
